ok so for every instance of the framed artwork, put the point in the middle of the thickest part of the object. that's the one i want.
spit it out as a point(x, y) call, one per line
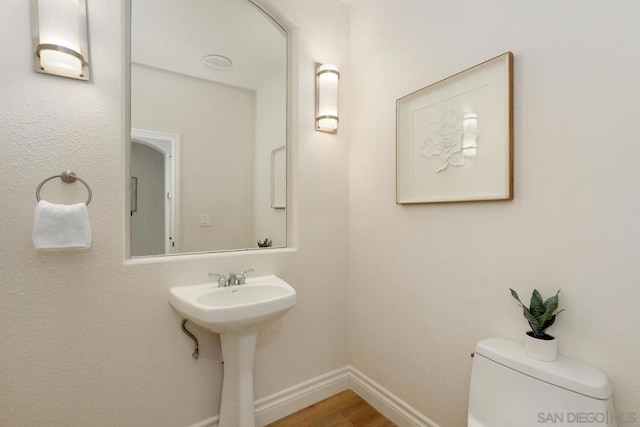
point(133, 191)
point(279, 178)
point(454, 138)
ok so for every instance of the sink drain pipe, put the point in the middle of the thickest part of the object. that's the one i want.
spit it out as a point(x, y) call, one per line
point(195, 353)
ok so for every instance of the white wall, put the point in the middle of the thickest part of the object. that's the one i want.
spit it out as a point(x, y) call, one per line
point(216, 152)
point(89, 338)
point(427, 282)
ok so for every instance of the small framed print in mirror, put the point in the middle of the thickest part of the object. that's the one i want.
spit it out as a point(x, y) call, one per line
point(279, 178)
point(454, 138)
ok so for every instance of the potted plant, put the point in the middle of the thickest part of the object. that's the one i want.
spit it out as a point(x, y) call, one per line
point(540, 315)
point(266, 243)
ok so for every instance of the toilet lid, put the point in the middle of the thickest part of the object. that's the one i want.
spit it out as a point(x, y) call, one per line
point(565, 372)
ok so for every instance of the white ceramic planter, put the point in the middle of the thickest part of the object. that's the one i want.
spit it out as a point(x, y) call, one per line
point(539, 349)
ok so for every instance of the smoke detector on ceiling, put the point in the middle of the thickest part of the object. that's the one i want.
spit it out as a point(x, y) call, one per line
point(217, 62)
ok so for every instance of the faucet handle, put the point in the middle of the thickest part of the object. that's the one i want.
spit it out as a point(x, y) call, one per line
point(241, 277)
point(222, 281)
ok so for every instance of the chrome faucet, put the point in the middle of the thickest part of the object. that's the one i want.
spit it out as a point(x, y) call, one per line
point(241, 277)
point(222, 281)
point(234, 279)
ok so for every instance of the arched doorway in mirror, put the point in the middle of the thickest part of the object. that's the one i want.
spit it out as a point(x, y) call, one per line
point(154, 193)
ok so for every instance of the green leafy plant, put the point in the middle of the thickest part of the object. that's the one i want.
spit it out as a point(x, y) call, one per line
point(540, 314)
point(265, 244)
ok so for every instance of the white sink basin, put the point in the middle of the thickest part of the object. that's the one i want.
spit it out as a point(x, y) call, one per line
point(233, 308)
point(235, 312)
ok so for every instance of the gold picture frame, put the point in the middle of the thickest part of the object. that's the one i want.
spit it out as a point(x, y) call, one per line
point(454, 138)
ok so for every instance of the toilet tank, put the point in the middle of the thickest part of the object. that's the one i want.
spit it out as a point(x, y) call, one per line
point(510, 389)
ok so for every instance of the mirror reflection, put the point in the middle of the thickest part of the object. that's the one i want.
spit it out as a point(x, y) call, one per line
point(208, 127)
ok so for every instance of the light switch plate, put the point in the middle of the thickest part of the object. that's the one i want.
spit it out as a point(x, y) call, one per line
point(205, 220)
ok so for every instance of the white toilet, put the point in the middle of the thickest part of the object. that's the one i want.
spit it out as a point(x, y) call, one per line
point(510, 389)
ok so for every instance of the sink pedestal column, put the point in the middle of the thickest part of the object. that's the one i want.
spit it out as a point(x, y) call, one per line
point(237, 405)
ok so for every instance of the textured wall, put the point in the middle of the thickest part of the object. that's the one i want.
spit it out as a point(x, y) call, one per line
point(427, 282)
point(89, 338)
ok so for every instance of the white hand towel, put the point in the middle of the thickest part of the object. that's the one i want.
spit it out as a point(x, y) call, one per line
point(61, 226)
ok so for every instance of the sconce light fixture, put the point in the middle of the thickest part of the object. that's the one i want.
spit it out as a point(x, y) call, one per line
point(327, 76)
point(60, 42)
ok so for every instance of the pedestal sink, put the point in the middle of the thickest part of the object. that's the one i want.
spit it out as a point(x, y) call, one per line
point(236, 313)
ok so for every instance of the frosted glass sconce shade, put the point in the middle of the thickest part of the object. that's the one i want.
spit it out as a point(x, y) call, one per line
point(327, 77)
point(60, 44)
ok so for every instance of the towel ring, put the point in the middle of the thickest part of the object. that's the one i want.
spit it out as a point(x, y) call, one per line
point(68, 177)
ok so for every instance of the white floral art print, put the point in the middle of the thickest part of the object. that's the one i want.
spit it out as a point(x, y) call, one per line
point(454, 138)
point(450, 140)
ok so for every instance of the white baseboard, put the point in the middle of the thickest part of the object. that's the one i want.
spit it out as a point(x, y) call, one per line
point(209, 422)
point(293, 399)
point(300, 396)
point(385, 402)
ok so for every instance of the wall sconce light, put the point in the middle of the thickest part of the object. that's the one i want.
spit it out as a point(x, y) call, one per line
point(60, 42)
point(327, 77)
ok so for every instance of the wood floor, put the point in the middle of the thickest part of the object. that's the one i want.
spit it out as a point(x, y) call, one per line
point(345, 409)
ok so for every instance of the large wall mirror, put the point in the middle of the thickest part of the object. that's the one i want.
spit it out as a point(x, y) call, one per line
point(208, 127)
